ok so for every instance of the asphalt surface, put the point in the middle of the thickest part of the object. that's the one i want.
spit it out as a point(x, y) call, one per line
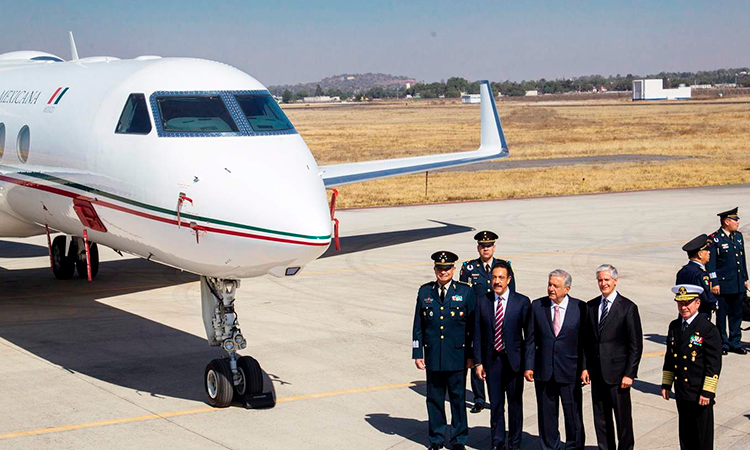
point(118, 363)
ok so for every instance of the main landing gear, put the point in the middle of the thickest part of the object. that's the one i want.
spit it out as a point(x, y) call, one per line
point(234, 377)
point(68, 254)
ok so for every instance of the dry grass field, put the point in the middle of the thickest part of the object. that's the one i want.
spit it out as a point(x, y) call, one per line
point(711, 137)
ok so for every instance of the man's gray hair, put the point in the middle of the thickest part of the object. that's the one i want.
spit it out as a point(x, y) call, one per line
point(561, 273)
point(607, 267)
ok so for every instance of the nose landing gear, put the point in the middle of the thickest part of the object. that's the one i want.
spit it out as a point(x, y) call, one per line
point(234, 377)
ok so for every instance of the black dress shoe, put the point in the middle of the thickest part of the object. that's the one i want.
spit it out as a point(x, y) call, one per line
point(435, 446)
point(478, 407)
point(724, 351)
point(739, 351)
point(459, 447)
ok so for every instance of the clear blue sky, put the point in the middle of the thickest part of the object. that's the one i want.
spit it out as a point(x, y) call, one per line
point(290, 41)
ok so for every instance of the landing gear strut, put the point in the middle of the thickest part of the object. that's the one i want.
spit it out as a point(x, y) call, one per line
point(233, 377)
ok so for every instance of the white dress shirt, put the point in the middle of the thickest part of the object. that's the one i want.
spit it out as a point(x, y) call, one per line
point(611, 299)
point(690, 319)
point(562, 307)
point(504, 299)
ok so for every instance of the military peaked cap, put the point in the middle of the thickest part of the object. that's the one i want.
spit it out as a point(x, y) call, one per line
point(485, 238)
point(732, 214)
point(444, 258)
point(686, 292)
point(699, 243)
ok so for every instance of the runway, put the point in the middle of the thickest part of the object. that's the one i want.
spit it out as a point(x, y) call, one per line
point(118, 363)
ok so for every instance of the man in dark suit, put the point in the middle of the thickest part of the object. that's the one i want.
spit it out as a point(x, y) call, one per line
point(692, 363)
point(727, 270)
point(441, 344)
point(694, 272)
point(500, 321)
point(613, 344)
point(553, 362)
point(478, 273)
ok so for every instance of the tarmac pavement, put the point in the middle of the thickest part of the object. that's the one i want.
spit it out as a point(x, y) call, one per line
point(118, 363)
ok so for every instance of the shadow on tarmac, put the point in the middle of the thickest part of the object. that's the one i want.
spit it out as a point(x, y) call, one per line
point(353, 244)
point(64, 322)
point(656, 337)
point(10, 249)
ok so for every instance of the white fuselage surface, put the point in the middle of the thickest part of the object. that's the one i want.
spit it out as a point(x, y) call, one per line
point(253, 202)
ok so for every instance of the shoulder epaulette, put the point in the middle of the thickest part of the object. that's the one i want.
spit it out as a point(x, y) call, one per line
point(464, 283)
point(464, 263)
point(429, 283)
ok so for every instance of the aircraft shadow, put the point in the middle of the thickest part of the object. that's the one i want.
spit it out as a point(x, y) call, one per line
point(10, 249)
point(363, 242)
point(65, 323)
point(656, 337)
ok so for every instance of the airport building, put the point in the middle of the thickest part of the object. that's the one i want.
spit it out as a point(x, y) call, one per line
point(470, 98)
point(654, 90)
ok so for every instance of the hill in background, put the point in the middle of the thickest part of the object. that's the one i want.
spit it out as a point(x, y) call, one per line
point(354, 82)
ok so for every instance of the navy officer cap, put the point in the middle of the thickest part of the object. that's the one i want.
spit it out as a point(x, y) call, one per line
point(732, 214)
point(686, 292)
point(699, 243)
point(485, 238)
point(444, 259)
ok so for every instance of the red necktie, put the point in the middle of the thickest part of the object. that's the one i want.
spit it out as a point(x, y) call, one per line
point(499, 319)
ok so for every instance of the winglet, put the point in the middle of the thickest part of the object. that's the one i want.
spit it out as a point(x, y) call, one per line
point(492, 130)
point(73, 49)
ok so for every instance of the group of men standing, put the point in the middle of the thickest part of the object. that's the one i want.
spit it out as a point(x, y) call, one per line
point(557, 342)
point(560, 343)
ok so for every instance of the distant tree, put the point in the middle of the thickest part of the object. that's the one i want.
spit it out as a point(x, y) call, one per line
point(319, 91)
point(302, 93)
point(287, 96)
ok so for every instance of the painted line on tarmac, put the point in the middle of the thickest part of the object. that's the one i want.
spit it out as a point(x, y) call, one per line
point(511, 257)
point(187, 412)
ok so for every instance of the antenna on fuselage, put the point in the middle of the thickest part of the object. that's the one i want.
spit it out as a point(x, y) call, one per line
point(73, 49)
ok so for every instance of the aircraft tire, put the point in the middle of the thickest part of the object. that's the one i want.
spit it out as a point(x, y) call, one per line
point(63, 266)
point(252, 377)
point(217, 382)
point(94, 255)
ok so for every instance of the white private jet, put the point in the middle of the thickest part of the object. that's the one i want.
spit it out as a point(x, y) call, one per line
point(186, 162)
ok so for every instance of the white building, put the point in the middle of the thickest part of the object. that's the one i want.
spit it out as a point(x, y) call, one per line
point(532, 93)
point(654, 90)
point(471, 98)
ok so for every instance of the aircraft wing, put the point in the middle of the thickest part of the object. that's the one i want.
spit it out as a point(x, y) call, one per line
point(492, 146)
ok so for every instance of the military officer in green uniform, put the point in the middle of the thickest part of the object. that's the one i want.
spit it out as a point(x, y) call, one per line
point(441, 345)
point(692, 364)
point(478, 273)
point(727, 271)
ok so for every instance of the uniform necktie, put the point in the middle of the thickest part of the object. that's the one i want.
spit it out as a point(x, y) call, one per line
point(605, 312)
point(684, 325)
point(499, 319)
point(557, 322)
point(442, 293)
point(487, 268)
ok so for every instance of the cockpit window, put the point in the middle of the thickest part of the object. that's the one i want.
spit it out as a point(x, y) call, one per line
point(134, 118)
point(195, 114)
point(263, 113)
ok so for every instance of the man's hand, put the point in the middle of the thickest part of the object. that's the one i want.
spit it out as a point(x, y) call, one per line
point(717, 289)
point(626, 382)
point(703, 401)
point(585, 377)
point(480, 372)
point(745, 284)
point(529, 375)
point(469, 363)
point(664, 394)
point(419, 362)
